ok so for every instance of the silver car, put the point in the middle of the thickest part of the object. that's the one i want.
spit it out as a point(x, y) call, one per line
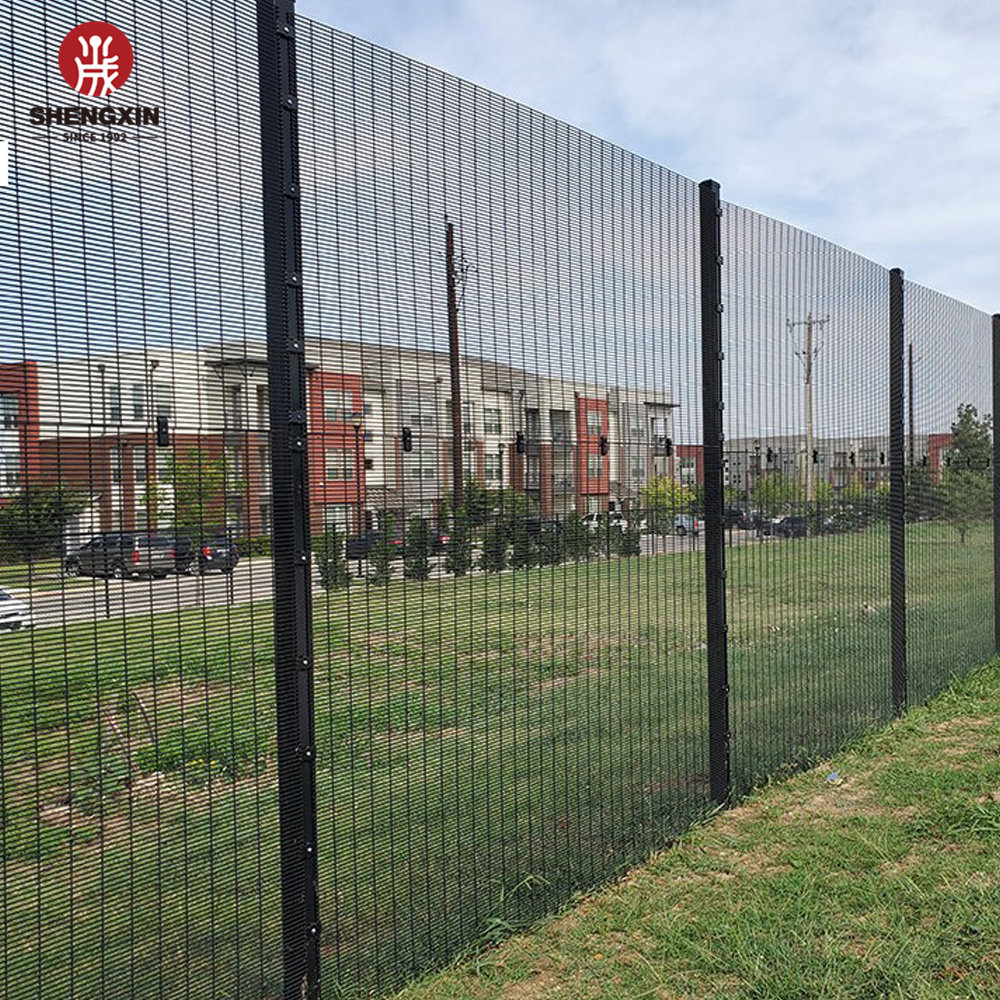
point(14, 614)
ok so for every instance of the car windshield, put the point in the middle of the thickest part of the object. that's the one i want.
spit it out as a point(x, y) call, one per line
point(4, 596)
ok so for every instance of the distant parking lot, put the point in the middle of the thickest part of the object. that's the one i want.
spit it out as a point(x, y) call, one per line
point(56, 599)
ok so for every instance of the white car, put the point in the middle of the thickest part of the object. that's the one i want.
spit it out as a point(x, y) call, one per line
point(14, 614)
point(596, 521)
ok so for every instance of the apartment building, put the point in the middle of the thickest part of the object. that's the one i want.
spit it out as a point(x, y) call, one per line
point(847, 461)
point(380, 433)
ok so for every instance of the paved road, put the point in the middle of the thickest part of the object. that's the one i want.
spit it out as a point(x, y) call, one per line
point(97, 599)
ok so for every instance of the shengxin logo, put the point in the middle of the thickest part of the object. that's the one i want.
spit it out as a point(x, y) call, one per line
point(96, 59)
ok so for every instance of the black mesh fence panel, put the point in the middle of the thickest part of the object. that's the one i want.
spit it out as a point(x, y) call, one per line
point(807, 462)
point(949, 469)
point(139, 807)
point(510, 686)
point(506, 498)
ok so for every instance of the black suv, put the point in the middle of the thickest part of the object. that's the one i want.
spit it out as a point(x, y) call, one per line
point(122, 555)
point(215, 552)
point(791, 527)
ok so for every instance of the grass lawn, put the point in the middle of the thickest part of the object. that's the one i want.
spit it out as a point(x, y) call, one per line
point(487, 747)
point(873, 875)
point(39, 576)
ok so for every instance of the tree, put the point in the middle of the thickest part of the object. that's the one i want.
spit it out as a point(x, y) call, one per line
point(199, 483)
point(663, 498)
point(458, 554)
point(479, 503)
point(920, 498)
point(417, 558)
point(331, 563)
point(972, 440)
point(33, 521)
point(966, 489)
point(777, 494)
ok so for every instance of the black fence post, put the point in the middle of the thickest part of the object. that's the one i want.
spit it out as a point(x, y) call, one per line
point(710, 214)
point(897, 492)
point(996, 482)
point(293, 653)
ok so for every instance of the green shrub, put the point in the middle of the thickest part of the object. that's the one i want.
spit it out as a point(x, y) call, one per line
point(417, 558)
point(458, 555)
point(493, 558)
point(330, 561)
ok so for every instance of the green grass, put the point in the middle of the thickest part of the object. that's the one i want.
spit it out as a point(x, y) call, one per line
point(39, 576)
point(486, 747)
point(874, 875)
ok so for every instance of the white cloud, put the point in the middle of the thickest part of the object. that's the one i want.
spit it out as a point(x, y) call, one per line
point(872, 124)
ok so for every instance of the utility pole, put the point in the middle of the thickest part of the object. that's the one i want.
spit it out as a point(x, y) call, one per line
point(909, 400)
point(456, 385)
point(807, 355)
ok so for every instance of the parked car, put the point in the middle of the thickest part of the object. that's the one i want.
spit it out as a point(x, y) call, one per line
point(14, 614)
point(122, 555)
point(737, 517)
point(791, 527)
point(535, 525)
point(360, 546)
point(215, 552)
point(686, 524)
point(609, 518)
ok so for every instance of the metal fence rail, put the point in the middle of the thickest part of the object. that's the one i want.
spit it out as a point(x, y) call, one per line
point(423, 509)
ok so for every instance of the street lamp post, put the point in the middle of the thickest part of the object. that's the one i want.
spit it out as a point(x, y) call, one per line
point(356, 421)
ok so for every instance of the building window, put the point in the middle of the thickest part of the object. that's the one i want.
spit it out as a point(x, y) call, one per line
point(420, 465)
point(265, 517)
point(868, 456)
point(840, 459)
point(262, 407)
point(560, 426)
point(115, 464)
point(340, 464)
point(338, 406)
point(264, 464)
point(139, 465)
point(637, 467)
point(532, 425)
point(492, 469)
point(236, 407)
point(163, 465)
point(532, 472)
point(337, 518)
point(491, 420)
point(115, 403)
point(10, 471)
point(8, 410)
point(594, 427)
point(595, 466)
point(164, 397)
point(234, 469)
point(418, 414)
point(138, 401)
point(688, 471)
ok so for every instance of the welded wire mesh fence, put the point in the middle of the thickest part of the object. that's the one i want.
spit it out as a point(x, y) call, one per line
point(554, 616)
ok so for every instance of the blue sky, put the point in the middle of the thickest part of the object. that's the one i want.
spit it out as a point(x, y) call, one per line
point(872, 124)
